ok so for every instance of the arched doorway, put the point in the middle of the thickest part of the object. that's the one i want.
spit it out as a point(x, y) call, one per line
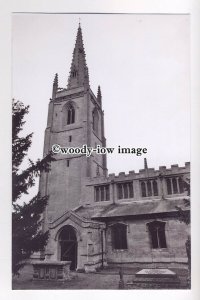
point(68, 246)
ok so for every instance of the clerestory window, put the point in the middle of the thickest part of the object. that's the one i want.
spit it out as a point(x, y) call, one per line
point(149, 188)
point(125, 190)
point(102, 193)
point(174, 185)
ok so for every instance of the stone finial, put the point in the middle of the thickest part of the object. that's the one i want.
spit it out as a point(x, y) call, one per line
point(145, 164)
point(55, 82)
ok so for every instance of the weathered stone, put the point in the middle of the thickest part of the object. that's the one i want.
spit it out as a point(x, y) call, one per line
point(90, 267)
point(51, 270)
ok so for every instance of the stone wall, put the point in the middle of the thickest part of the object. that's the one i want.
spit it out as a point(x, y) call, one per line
point(139, 243)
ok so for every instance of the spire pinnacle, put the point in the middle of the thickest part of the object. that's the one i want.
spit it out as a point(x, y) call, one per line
point(99, 94)
point(55, 82)
point(55, 86)
point(79, 71)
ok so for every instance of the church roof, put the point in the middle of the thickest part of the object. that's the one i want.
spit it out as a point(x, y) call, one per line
point(133, 209)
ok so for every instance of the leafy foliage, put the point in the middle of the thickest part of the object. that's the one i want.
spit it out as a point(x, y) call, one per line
point(184, 214)
point(27, 233)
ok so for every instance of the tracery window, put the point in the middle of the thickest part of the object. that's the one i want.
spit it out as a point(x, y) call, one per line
point(157, 234)
point(70, 114)
point(149, 188)
point(119, 236)
point(125, 190)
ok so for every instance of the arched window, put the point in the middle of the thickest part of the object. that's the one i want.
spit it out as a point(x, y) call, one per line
point(119, 236)
point(157, 234)
point(95, 121)
point(70, 114)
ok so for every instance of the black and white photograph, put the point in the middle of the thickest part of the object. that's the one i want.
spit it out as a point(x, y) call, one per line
point(101, 151)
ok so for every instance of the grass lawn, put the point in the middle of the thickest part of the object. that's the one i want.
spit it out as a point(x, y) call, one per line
point(107, 279)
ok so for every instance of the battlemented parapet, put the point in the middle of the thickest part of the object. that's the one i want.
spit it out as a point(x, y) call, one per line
point(148, 183)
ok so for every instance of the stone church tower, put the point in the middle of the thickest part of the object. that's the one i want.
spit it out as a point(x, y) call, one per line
point(75, 118)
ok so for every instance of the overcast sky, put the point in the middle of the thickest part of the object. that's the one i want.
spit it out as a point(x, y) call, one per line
point(142, 65)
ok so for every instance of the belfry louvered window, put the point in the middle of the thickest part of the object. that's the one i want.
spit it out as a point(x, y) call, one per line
point(70, 114)
point(95, 121)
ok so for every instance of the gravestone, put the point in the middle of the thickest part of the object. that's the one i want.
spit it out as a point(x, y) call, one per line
point(156, 273)
point(155, 279)
point(51, 270)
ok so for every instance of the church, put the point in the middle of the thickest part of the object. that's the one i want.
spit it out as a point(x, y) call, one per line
point(96, 219)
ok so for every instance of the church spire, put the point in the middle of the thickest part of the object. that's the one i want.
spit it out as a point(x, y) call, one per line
point(79, 71)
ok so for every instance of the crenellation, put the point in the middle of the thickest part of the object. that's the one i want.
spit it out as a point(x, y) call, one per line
point(162, 168)
point(122, 174)
point(131, 173)
point(143, 174)
point(111, 176)
point(187, 165)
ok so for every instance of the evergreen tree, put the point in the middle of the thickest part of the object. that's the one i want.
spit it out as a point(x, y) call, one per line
point(27, 233)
